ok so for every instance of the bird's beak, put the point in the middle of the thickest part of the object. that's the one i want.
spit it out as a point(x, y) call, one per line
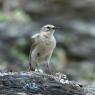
point(58, 28)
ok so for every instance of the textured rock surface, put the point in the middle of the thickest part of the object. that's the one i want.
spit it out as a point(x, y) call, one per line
point(75, 44)
point(31, 83)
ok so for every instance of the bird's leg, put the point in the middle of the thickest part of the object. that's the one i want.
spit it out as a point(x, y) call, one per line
point(48, 68)
point(37, 67)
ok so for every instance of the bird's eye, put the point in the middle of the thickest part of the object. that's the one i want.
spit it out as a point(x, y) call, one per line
point(48, 27)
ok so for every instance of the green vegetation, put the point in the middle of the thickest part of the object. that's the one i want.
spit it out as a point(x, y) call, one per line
point(3, 17)
point(19, 54)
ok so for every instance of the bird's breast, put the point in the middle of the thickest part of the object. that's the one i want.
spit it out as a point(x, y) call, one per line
point(43, 50)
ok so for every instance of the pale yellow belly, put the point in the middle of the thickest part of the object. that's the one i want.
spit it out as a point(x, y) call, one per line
point(42, 53)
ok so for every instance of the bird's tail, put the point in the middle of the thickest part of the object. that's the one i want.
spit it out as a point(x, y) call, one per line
point(30, 63)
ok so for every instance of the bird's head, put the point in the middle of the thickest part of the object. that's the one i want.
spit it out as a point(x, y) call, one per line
point(48, 29)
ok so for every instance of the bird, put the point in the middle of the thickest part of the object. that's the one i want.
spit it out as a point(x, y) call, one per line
point(43, 45)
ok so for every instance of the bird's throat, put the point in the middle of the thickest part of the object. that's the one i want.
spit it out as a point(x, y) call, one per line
point(47, 34)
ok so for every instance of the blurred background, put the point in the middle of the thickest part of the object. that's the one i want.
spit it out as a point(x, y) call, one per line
point(75, 51)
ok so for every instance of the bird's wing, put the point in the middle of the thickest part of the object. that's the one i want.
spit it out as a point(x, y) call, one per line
point(34, 42)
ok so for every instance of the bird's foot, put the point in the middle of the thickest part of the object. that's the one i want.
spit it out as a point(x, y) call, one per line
point(39, 70)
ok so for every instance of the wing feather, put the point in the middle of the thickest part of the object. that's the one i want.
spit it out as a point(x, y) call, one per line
point(33, 45)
